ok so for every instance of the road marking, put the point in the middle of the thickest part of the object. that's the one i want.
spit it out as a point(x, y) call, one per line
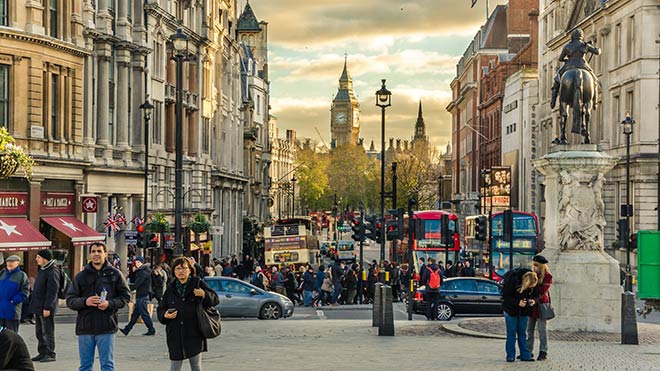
point(320, 314)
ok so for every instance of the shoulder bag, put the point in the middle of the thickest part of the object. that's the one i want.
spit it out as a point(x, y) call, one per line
point(208, 320)
point(546, 311)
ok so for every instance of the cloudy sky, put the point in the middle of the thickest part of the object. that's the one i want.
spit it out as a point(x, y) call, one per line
point(414, 44)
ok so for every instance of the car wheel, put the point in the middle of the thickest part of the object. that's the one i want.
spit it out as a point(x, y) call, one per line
point(271, 311)
point(445, 311)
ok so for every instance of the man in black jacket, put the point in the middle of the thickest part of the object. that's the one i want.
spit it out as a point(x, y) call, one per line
point(44, 305)
point(15, 355)
point(337, 273)
point(142, 287)
point(97, 293)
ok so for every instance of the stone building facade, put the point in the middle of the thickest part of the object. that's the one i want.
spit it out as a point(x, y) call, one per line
point(42, 89)
point(627, 32)
point(282, 170)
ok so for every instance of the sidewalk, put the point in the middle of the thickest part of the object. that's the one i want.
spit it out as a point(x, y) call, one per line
point(348, 344)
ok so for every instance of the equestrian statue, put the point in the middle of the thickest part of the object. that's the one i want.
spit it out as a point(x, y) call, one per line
point(576, 86)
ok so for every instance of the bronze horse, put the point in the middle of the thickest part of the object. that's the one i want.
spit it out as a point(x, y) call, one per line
point(577, 91)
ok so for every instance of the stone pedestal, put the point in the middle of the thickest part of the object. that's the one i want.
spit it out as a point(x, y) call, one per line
point(586, 293)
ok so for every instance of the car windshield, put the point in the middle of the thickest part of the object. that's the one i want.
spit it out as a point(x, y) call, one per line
point(459, 285)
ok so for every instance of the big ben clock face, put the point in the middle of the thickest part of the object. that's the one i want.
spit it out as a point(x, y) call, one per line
point(340, 118)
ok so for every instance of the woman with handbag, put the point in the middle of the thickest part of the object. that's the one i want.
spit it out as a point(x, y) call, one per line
point(542, 312)
point(178, 311)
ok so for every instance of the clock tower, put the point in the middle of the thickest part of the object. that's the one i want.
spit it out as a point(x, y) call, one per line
point(345, 113)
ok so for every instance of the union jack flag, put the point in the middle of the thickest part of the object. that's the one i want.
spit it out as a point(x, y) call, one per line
point(120, 218)
point(137, 221)
point(111, 223)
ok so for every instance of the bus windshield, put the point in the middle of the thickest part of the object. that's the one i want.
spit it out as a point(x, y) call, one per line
point(430, 238)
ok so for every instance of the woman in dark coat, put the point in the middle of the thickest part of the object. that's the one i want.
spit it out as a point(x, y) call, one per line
point(178, 312)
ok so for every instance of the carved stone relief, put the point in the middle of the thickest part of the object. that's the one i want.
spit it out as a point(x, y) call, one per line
point(581, 211)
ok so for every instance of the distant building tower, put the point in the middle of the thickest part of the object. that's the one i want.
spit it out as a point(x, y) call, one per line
point(255, 35)
point(345, 112)
point(420, 139)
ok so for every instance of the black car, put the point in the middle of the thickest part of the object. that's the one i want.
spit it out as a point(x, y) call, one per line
point(463, 295)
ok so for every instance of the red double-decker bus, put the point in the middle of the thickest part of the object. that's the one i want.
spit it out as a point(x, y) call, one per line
point(427, 241)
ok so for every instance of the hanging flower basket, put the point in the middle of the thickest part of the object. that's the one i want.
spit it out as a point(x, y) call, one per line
point(13, 157)
point(199, 224)
point(158, 224)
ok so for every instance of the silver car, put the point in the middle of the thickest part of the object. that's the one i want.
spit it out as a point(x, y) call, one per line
point(241, 299)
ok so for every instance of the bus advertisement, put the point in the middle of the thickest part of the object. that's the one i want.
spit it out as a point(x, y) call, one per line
point(291, 242)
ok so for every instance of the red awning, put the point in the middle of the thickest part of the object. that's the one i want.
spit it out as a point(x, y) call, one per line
point(79, 232)
point(20, 234)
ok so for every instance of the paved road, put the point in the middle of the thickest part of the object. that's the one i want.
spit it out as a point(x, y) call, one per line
point(348, 344)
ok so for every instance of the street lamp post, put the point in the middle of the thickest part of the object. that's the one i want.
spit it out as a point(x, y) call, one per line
point(180, 43)
point(628, 314)
point(627, 131)
point(440, 177)
point(147, 108)
point(383, 100)
point(293, 195)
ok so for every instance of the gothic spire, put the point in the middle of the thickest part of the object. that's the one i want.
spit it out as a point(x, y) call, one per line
point(420, 127)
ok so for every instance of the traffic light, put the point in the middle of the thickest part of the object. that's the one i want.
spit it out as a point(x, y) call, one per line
point(507, 228)
point(140, 237)
point(358, 229)
point(446, 237)
point(481, 228)
point(370, 228)
point(392, 230)
point(379, 232)
point(400, 212)
point(152, 240)
point(622, 232)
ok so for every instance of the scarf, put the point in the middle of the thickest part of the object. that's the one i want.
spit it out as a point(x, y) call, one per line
point(181, 288)
point(48, 265)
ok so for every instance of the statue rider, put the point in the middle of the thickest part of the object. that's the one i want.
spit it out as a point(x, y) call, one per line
point(573, 54)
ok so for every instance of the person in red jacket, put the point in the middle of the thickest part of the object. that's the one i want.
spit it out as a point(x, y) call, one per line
point(542, 295)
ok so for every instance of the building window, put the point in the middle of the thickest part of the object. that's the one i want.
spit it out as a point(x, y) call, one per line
point(158, 59)
point(4, 95)
point(54, 82)
point(616, 112)
point(630, 103)
point(52, 17)
point(617, 47)
point(4, 12)
point(156, 132)
point(129, 9)
point(206, 126)
point(259, 104)
point(630, 45)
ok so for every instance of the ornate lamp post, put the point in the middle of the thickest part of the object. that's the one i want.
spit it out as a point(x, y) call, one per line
point(627, 210)
point(180, 43)
point(147, 108)
point(383, 100)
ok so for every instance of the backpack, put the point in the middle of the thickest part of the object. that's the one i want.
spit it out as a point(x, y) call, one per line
point(65, 283)
point(434, 279)
point(512, 279)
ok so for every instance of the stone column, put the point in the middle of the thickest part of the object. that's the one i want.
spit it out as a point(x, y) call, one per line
point(121, 248)
point(102, 103)
point(586, 294)
point(123, 62)
point(137, 91)
point(123, 26)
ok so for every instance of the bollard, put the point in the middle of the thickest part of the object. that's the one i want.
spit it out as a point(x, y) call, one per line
point(628, 319)
point(375, 314)
point(386, 326)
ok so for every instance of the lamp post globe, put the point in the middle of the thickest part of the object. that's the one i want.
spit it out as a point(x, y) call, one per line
point(180, 42)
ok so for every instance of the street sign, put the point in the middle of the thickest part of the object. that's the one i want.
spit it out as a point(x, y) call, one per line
point(90, 204)
point(130, 237)
point(218, 230)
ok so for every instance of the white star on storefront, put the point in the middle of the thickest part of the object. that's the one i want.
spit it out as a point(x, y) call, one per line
point(70, 226)
point(9, 229)
point(89, 204)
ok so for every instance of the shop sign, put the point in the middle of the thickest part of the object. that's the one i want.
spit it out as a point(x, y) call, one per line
point(130, 237)
point(90, 204)
point(57, 203)
point(13, 203)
